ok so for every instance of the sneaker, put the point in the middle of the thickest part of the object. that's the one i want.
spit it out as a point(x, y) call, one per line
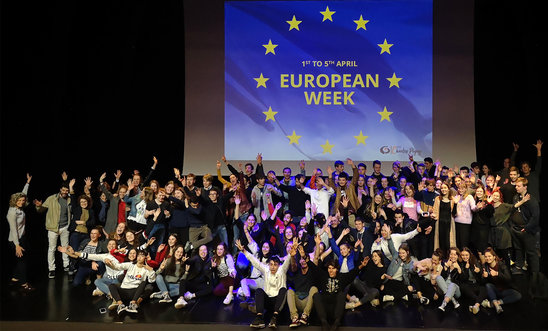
point(71, 272)
point(121, 308)
point(157, 295)
point(455, 303)
point(181, 303)
point(272, 323)
point(228, 299)
point(97, 293)
point(498, 307)
point(486, 303)
point(66, 269)
point(473, 309)
point(188, 296)
point(387, 298)
point(354, 299)
point(51, 274)
point(113, 305)
point(294, 322)
point(516, 270)
point(375, 302)
point(349, 305)
point(303, 320)
point(405, 297)
point(258, 322)
point(443, 305)
point(132, 308)
point(166, 298)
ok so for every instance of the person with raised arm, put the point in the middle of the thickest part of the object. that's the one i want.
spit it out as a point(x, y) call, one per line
point(275, 287)
point(57, 208)
point(17, 236)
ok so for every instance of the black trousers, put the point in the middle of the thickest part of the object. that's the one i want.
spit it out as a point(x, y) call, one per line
point(473, 291)
point(262, 299)
point(525, 244)
point(463, 235)
point(330, 306)
point(395, 288)
point(423, 285)
point(20, 267)
point(199, 287)
point(367, 293)
point(126, 294)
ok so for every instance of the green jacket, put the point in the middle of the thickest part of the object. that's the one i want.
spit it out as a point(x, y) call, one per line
point(54, 212)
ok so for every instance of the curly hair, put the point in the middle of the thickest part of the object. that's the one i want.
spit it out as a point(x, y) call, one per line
point(16, 196)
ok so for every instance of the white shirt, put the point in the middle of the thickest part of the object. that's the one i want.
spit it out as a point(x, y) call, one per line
point(397, 239)
point(272, 282)
point(320, 198)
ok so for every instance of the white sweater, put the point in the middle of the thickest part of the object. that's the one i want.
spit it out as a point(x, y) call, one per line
point(135, 275)
point(272, 282)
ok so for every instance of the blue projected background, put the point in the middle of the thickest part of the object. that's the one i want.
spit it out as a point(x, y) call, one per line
point(328, 80)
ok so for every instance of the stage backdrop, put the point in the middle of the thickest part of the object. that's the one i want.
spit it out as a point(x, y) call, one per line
point(320, 81)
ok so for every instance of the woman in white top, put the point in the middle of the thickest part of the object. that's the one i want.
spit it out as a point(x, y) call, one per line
point(16, 218)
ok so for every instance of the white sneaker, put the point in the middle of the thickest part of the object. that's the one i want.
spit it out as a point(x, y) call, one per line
point(424, 300)
point(165, 298)
point(442, 307)
point(349, 305)
point(387, 298)
point(375, 302)
point(354, 299)
point(228, 299)
point(486, 304)
point(157, 295)
point(113, 305)
point(181, 303)
point(97, 293)
point(405, 297)
point(455, 303)
point(189, 296)
point(473, 309)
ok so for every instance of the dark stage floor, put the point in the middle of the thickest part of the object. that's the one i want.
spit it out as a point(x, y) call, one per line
point(55, 301)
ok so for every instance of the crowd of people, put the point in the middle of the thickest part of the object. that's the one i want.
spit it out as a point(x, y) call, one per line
point(337, 240)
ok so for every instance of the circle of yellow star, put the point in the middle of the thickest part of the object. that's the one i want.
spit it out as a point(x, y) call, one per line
point(270, 114)
point(294, 138)
point(360, 139)
point(270, 47)
point(294, 24)
point(394, 81)
point(327, 14)
point(261, 81)
point(360, 24)
point(385, 115)
point(385, 46)
point(327, 147)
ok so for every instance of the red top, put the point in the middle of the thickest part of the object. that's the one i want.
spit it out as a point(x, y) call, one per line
point(121, 211)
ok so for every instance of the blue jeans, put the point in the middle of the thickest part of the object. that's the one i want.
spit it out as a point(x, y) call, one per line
point(220, 231)
point(103, 283)
point(448, 288)
point(506, 296)
point(158, 231)
point(85, 270)
point(171, 288)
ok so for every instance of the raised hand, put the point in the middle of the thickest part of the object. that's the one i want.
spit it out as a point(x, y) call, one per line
point(29, 177)
point(218, 165)
point(538, 145)
point(102, 178)
point(64, 176)
point(88, 182)
point(37, 203)
point(177, 173)
point(239, 245)
point(118, 174)
point(301, 164)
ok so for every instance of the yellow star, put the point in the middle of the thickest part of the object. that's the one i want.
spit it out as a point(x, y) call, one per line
point(294, 24)
point(294, 138)
point(327, 147)
point(270, 47)
point(327, 14)
point(360, 139)
point(270, 114)
point(361, 23)
point(385, 115)
point(385, 47)
point(394, 81)
point(261, 81)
